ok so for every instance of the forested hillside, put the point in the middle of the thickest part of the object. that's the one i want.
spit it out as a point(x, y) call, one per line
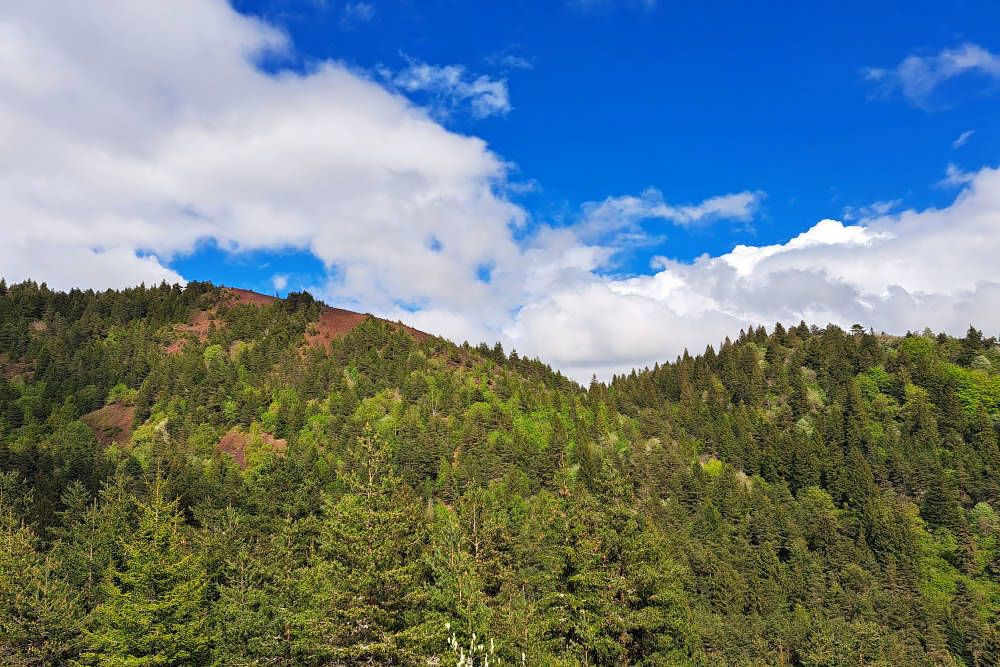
point(189, 476)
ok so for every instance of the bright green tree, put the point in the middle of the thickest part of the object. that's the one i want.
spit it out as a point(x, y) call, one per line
point(40, 619)
point(360, 596)
point(154, 610)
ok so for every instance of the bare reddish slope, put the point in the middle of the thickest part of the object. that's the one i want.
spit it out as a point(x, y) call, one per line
point(11, 369)
point(112, 423)
point(332, 323)
point(235, 295)
point(235, 441)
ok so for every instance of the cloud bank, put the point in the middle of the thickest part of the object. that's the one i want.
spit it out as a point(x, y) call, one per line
point(895, 272)
point(137, 133)
point(149, 128)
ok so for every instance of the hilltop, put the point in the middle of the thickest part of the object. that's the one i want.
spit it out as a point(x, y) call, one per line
point(319, 486)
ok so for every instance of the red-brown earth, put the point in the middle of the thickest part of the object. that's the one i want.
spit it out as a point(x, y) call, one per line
point(11, 369)
point(332, 323)
point(234, 443)
point(112, 423)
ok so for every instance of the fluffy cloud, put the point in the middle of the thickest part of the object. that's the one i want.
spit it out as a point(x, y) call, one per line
point(895, 272)
point(917, 77)
point(147, 127)
point(142, 129)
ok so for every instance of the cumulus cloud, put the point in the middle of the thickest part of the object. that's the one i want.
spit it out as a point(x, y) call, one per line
point(149, 128)
point(138, 133)
point(895, 272)
point(917, 77)
point(451, 87)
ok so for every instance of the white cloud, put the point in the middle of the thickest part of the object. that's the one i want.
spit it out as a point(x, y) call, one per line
point(139, 132)
point(625, 213)
point(955, 177)
point(279, 281)
point(512, 61)
point(962, 139)
point(148, 127)
point(917, 77)
point(898, 272)
point(450, 87)
point(873, 210)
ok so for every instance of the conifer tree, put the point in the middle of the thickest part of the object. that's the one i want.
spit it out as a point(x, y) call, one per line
point(40, 619)
point(365, 583)
point(154, 610)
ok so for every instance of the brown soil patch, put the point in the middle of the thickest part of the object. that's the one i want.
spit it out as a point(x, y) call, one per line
point(234, 443)
point(332, 323)
point(175, 347)
point(12, 369)
point(236, 296)
point(202, 320)
point(417, 334)
point(112, 423)
point(199, 325)
point(336, 322)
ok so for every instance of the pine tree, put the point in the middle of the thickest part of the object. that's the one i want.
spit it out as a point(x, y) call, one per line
point(154, 610)
point(456, 593)
point(362, 592)
point(40, 619)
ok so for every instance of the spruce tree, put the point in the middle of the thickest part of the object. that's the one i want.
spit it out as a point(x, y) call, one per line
point(154, 610)
point(362, 592)
point(40, 619)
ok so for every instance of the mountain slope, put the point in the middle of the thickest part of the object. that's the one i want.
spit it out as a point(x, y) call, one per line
point(351, 491)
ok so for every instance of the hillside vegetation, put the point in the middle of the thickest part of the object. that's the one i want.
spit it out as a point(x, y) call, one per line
point(190, 477)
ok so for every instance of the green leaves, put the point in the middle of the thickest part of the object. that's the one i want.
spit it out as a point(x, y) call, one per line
point(812, 496)
point(154, 607)
point(40, 617)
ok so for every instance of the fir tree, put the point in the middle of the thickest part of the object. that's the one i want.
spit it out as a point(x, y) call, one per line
point(365, 586)
point(40, 618)
point(154, 611)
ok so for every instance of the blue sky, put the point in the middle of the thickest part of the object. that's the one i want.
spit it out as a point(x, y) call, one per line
point(602, 183)
point(691, 98)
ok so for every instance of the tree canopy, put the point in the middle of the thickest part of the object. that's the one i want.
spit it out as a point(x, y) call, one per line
point(186, 479)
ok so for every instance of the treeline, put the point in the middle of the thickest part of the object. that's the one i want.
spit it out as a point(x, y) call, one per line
point(801, 497)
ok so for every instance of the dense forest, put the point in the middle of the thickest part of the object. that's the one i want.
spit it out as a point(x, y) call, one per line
point(189, 478)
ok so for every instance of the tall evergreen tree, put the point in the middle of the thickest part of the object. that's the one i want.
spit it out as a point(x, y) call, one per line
point(154, 610)
point(40, 617)
point(365, 585)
